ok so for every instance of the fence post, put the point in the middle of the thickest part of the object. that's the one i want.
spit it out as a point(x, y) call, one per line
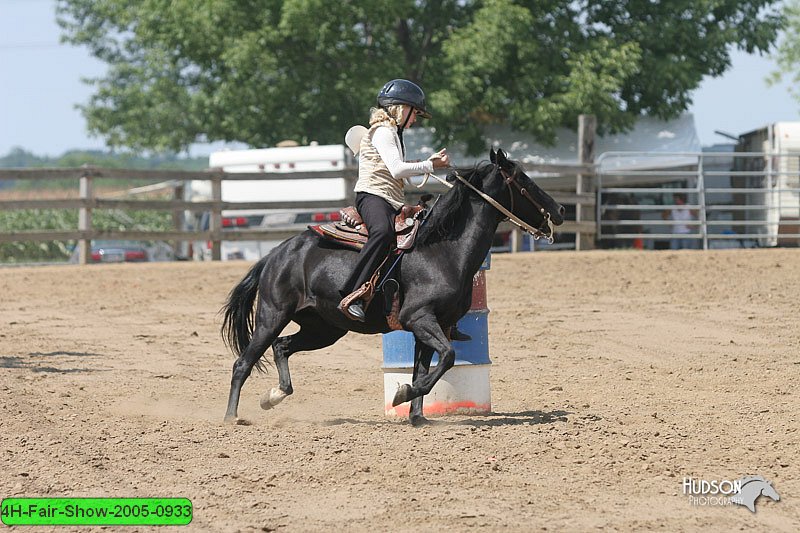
point(177, 218)
point(598, 205)
point(215, 223)
point(85, 217)
point(769, 196)
point(514, 240)
point(701, 187)
point(587, 125)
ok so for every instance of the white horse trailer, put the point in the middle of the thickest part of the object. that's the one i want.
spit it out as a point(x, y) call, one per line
point(780, 142)
point(280, 160)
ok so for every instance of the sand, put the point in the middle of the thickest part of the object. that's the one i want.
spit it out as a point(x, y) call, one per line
point(615, 376)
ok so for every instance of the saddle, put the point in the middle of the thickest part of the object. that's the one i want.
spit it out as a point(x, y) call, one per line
point(351, 232)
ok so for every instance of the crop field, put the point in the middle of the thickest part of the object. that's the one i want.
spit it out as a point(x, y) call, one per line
point(64, 220)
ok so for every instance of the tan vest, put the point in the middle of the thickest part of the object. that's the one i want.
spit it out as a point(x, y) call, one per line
point(373, 174)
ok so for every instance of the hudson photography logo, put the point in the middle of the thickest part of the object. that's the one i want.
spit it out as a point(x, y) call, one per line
point(723, 492)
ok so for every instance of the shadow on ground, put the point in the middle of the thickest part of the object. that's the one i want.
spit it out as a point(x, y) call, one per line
point(33, 363)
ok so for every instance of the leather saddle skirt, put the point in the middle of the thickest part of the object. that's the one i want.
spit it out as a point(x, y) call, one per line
point(351, 232)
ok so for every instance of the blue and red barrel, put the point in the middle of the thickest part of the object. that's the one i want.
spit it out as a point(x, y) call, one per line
point(465, 388)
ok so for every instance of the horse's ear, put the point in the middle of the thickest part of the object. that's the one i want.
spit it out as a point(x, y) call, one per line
point(502, 159)
point(492, 155)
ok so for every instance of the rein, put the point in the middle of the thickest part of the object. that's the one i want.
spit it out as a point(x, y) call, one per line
point(509, 180)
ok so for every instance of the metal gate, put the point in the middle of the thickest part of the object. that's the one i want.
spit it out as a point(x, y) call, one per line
point(698, 199)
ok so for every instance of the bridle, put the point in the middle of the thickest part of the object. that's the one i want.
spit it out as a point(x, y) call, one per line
point(509, 180)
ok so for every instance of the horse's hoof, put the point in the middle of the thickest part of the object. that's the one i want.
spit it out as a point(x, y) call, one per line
point(231, 420)
point(275, 396)
point(418, 421)
point(402, 395)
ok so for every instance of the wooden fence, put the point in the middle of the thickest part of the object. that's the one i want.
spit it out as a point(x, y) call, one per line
point(88, 201)
point(560, 180)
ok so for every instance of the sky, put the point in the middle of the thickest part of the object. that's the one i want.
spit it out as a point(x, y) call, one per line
point(40, 85)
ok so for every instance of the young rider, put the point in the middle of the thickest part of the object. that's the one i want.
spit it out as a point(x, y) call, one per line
point(379, 189)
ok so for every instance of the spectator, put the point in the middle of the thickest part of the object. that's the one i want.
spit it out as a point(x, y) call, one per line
point(680, 215)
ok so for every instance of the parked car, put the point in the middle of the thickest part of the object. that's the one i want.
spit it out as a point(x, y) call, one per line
point(292, 220)
point(116, 251)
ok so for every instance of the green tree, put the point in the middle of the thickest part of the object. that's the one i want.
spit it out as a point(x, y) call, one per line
point(787, 54)
point(259, 71)
point(19, 158)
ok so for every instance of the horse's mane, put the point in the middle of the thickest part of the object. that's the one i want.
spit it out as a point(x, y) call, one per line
point(449, 214)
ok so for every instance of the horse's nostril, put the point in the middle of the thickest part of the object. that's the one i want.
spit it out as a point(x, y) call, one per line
point(561, 210)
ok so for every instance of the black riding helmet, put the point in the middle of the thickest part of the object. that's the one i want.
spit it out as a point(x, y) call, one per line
point(403, 92)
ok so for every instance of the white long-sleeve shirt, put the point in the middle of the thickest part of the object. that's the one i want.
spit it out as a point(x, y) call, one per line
point(381, 167)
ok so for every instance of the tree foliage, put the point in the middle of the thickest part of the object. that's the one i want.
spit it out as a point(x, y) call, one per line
point(260, 71)
point(20, 158)
point(787, 54)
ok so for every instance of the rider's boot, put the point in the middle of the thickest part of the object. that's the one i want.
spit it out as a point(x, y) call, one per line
point(354, 304)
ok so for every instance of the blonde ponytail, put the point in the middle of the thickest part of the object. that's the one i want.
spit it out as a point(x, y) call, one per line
point(392, 114)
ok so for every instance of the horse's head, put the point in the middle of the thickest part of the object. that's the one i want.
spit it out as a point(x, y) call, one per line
point(769, 491)
point(524, 198)
point(751, 488)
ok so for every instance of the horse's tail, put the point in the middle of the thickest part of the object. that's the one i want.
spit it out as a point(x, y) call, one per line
point(238, 313)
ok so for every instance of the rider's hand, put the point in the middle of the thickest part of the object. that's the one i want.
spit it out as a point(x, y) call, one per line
point(440, 159)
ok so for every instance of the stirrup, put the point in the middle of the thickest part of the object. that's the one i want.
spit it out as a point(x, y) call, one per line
point(354, 310)
point(362, 294)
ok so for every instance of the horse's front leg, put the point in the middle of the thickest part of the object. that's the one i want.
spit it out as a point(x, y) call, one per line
point(427, 331)
point(422, 364)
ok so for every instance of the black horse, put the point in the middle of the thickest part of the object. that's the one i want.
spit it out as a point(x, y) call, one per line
point(300, 279)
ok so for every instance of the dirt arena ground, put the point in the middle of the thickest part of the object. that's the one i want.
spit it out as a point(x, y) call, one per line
point(615, 375)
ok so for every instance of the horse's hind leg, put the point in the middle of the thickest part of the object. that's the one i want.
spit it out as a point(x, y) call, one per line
point(268, 326)
point(314, 334)
point(422, 364)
